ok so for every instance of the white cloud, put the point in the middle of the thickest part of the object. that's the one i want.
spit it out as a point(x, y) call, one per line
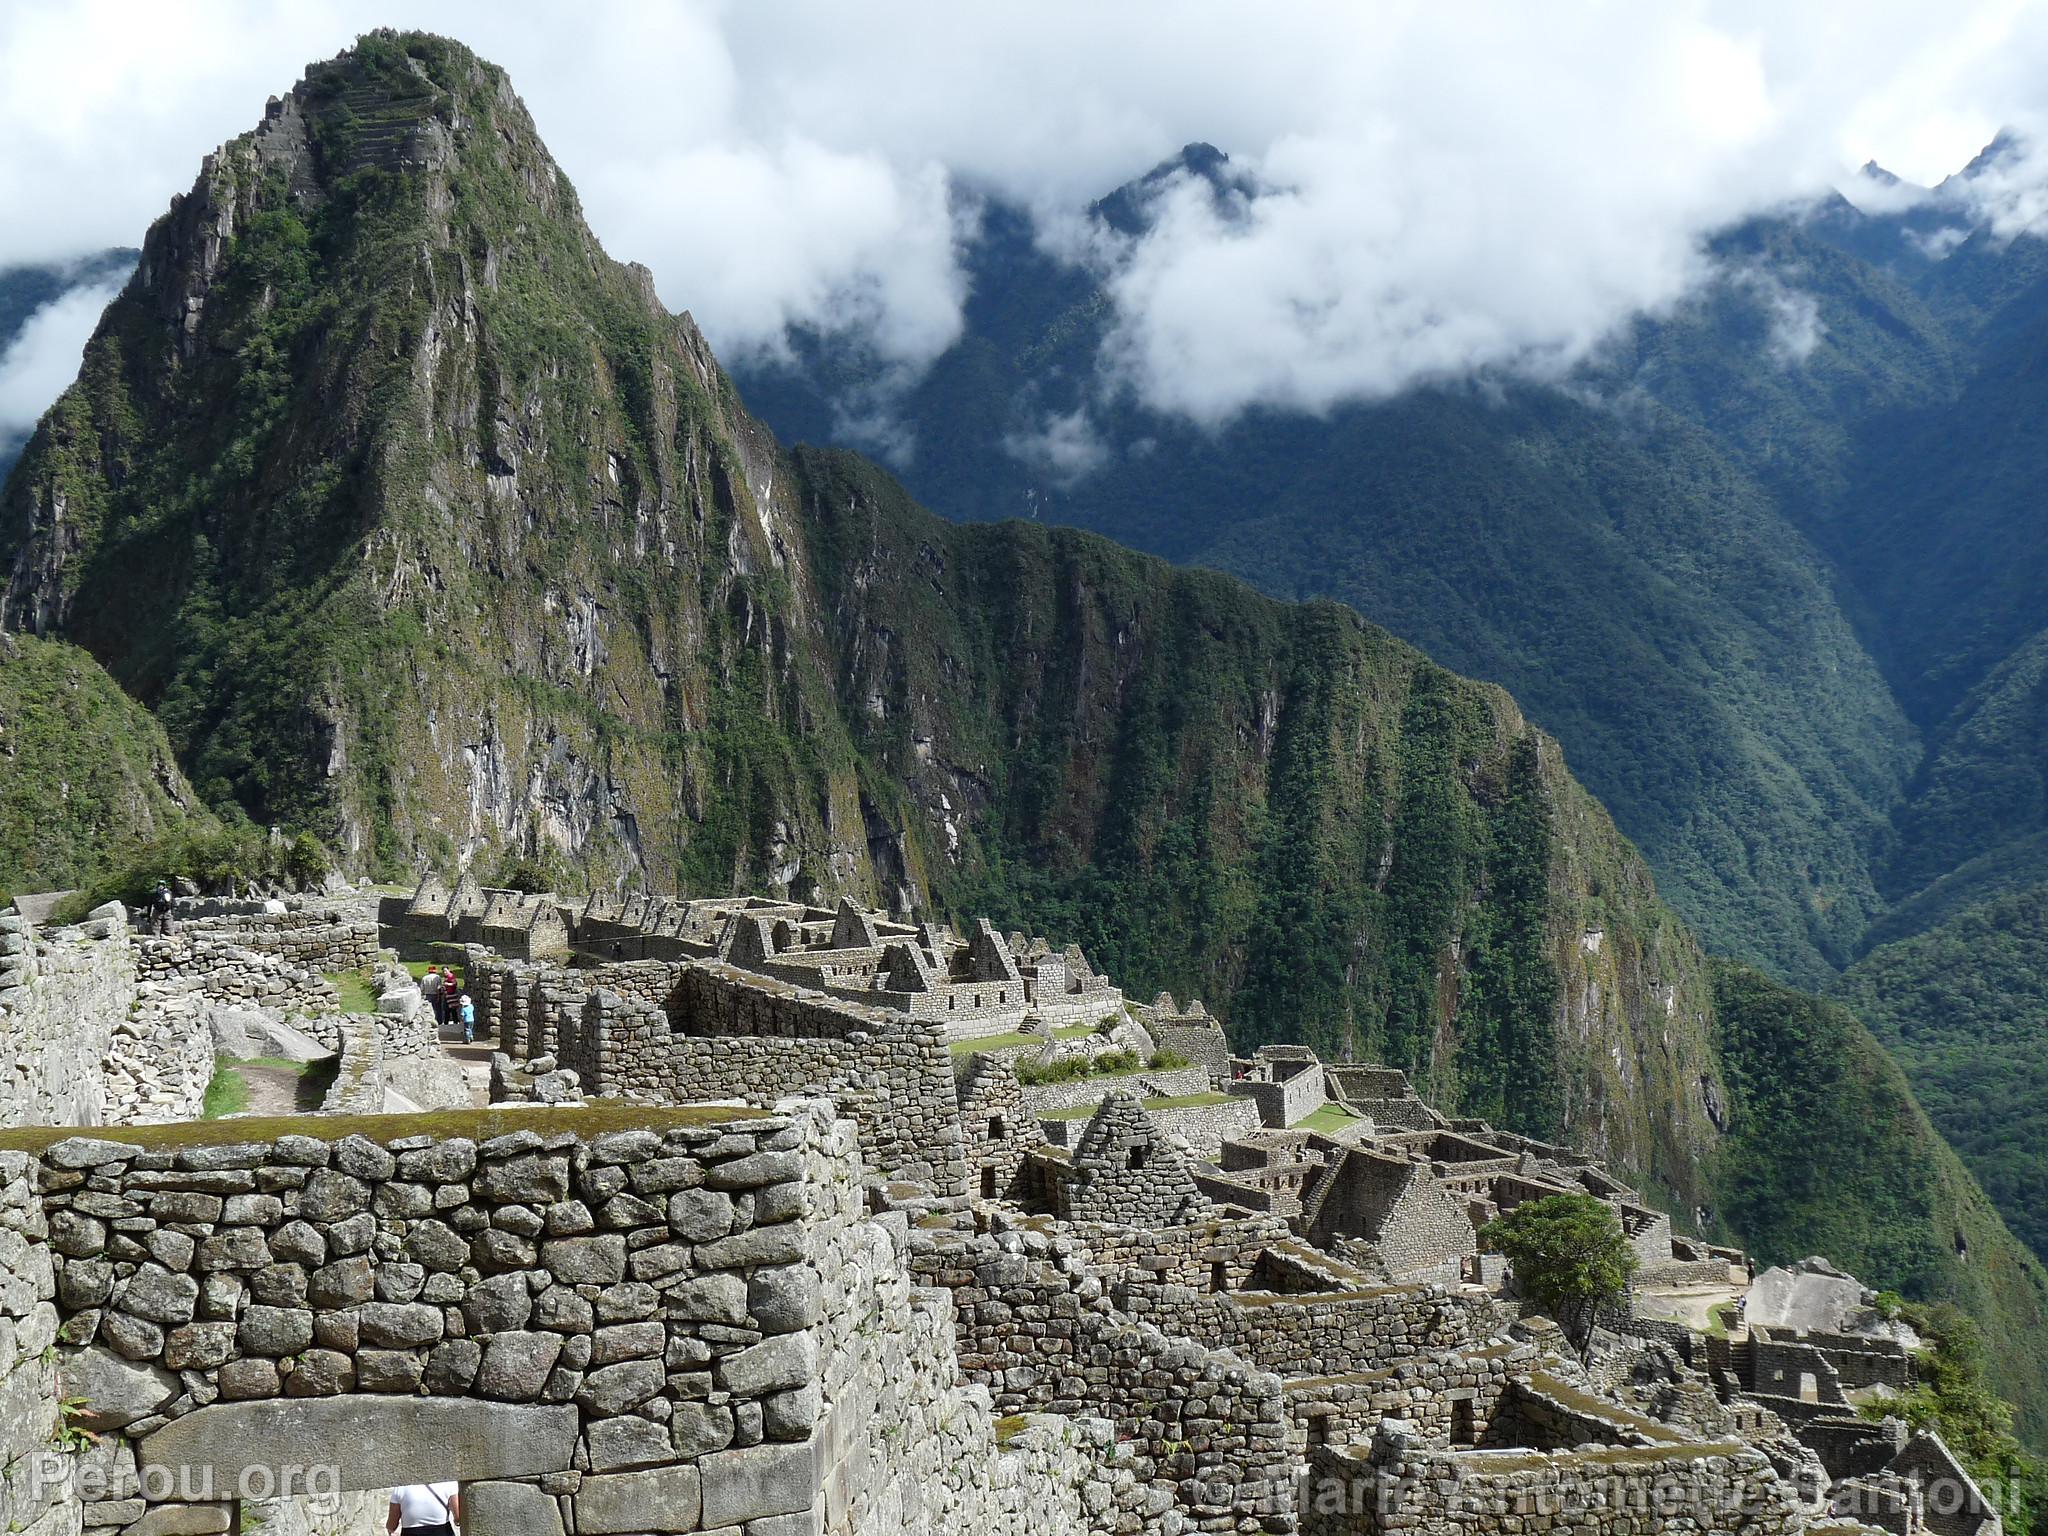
point(1795, 326)
point(43, 356)
point(1064, 446)
point(1452, 187)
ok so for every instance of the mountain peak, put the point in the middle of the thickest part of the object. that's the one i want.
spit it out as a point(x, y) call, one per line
point(1127, 210)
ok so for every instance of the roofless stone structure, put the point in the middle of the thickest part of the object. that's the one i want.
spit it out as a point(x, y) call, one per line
point(823, 1249)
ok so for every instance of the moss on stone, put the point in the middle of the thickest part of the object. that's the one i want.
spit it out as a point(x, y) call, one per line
point(585, 1120)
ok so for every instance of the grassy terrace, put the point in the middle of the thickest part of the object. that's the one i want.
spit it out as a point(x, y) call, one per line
point(357, 995)
point(1185, 1101)
point(1014, 1038)
point(1330, 1118)
point(478, 1124)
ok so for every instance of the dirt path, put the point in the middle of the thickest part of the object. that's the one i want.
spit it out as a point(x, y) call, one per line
point(1692, 1305)
point(279, 1089)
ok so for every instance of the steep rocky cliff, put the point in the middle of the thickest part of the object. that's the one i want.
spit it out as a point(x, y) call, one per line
point(420, 523)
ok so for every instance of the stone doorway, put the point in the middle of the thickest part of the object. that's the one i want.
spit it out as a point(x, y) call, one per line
point(218, 1458)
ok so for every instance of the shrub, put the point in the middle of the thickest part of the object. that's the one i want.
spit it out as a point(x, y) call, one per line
point(220, 863)
point(1072, 1068)
point(1570, 1257)
point(1166, 1061)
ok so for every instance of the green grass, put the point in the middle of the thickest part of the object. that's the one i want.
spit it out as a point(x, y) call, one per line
point(1011, 1039)
point(226, 1093)
point(1184, 1101)
point(229, 1092)
point(357, 995)
point(1328, 1119)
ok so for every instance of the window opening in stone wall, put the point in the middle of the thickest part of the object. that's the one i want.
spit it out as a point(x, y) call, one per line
point(1136, 1159)
point(1219, 1277)
point(995, 1128)
point(1464, 1429)
point(988, 1182)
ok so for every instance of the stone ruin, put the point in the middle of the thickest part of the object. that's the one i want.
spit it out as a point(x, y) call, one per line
point(811, 1256)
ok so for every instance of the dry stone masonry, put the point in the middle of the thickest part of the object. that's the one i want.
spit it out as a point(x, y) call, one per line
point(794, 1220)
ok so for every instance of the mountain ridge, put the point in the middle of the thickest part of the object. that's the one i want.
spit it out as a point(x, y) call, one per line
point(419, 522)
point(1765, 564)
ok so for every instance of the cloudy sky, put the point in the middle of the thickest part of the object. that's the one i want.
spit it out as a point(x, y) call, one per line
point(1448, 184)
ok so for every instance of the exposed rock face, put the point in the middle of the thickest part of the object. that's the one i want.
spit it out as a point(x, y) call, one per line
point(469, 544)
point(419, 522)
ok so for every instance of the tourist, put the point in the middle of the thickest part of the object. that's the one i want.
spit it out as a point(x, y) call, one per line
point(431, 1509)
point(430, 988)
point(468, 1020)
point(160, 908)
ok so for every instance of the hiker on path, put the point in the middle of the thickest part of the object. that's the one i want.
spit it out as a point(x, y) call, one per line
point(160, 908)
point(468, 1020)
point(430, 988)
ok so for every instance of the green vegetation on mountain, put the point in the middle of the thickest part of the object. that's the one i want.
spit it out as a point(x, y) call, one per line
point(1964, 1007)
point(1953, 1396)
point(422, 525)
point(1613, 555)
point(1827, 1152)
point(85, 772)
point(1770, 564)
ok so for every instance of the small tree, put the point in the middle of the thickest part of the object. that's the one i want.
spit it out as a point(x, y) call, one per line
point(1569, 1257)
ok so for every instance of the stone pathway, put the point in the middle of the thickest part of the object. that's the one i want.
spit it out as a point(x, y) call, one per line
point(475, 1059)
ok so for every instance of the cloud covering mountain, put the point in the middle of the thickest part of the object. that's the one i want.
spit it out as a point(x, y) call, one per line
point(1441, 190)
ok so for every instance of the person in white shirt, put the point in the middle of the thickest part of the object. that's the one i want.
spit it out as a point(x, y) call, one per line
point(430, 1509)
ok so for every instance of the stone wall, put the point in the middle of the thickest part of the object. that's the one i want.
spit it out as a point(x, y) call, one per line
point(1440, 1396)
point(689, 1324)
point(1318, 1334)
point(37, 1496)
point(1185, 1255)
point(1421, 1229)
point(909, 1446)
point(1208, 1436)
point(1397, 1485)
point(61, 998)
point(1286, 1103)
point(723, 1034)
point(1124, 1169)
point(325, 937)
point(229, 972)
point(1173, 1082)
point(1201, 1042)
point(995, 1129)
point(1205, 1127)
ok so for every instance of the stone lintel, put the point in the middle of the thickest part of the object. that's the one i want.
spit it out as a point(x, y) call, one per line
point(374, 1441)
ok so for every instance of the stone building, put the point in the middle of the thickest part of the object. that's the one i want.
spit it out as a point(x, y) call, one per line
point(997, 1128)
point(1421, 1228)
point(1124, 1169)
point(807, 1267)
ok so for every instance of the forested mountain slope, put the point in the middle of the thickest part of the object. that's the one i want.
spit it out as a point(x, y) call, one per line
point(419, 523)
point(1770, 566)
point(85, 771)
